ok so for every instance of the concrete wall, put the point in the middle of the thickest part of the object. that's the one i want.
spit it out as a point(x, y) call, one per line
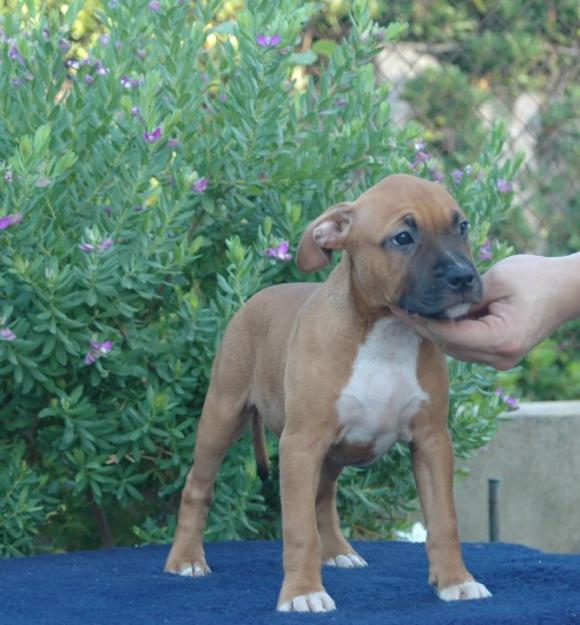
point(536, 453)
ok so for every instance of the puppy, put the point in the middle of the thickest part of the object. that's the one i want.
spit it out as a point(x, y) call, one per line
point(339, 379)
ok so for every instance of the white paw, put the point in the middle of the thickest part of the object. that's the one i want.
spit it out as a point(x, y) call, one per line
point(347, 561)
point(195, 571)
point(313, 602)
point(467, 590)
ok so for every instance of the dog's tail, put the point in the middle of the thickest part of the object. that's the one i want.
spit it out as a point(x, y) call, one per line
point(259, 441)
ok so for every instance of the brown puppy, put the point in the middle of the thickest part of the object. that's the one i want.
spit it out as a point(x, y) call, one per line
point(340, 379)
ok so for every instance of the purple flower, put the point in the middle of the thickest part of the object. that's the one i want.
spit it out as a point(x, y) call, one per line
point(504, 186)
point(14, 54)
point(154, 6)
point(173, 143)
point(107, 244)
point(200, 185)
point(457, 176)
point(130, 83)
point(422, 156)
point(10, 220)
point(280, 251)
point(104, 39)
point(97, 350)
point(7, 334)
point(103, 348)
point(153, 136)
point(101, 69)
point(436, 175)
point(136, 111)
point(485, 252)
point(8, 176)
point(511, 401)
point(89, 79)
point(72, 64)
point(267, 41)
point(90, 358)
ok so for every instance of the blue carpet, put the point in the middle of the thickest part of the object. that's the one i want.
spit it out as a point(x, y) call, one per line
point(127, 587)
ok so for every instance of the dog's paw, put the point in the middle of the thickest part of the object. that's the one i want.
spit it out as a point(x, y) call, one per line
point(195, 569)
point(466, 590)
point(347, 561)
point(312, 602)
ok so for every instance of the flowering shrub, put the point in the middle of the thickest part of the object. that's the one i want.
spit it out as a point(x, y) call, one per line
point(146, 191)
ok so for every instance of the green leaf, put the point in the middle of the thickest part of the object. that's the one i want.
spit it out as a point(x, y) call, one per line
point(72, 12)
point(91, 297)
point(395, 30)
point(41, 139)
point(303, 58)
point(66, 161)
point(324, 46)
point(226, 28)
point(76, 394)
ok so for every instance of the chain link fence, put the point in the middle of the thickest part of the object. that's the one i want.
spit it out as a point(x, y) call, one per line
point(516, 61)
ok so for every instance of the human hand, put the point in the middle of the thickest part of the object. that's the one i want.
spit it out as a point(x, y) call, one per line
point(525, 298)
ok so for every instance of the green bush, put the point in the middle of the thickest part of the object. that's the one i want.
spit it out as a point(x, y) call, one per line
point(551, 371)
point(446, 104)
point(140, 188)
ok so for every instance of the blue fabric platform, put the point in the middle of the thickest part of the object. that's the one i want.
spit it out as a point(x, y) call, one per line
point(127, 587)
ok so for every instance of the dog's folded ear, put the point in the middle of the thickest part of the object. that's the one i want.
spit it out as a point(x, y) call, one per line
point(326, 233)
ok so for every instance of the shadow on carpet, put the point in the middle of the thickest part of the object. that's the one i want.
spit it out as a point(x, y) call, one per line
point(127, 587)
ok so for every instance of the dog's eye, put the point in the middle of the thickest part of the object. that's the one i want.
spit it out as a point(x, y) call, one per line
point(463, 227)
point(403, 239)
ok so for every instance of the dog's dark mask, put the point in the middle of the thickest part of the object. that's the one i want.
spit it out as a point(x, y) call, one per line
point(442, 281)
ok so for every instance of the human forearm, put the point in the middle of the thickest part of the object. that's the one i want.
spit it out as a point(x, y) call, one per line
point(569, 287)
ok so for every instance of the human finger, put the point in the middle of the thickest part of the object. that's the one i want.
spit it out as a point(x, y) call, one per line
point(473, 340)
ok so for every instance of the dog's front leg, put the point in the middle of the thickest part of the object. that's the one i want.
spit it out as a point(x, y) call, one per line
point(433, 466)
point(301, 458)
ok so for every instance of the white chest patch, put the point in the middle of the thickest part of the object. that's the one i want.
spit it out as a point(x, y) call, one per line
point(383, 393)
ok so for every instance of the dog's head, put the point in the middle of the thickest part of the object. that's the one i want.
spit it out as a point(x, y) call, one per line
point(407, 240)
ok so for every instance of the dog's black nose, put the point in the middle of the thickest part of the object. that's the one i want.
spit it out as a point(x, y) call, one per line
point(460, 278)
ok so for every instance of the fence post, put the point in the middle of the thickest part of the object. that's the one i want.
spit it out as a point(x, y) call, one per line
point(493, 508)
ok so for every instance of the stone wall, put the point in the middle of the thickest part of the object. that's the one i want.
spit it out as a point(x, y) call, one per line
point(536, 454)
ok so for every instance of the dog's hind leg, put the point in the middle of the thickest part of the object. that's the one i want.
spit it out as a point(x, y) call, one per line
point(224, 417)
point(336, 551)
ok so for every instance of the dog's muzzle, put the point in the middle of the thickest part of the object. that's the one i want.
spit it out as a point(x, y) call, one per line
point(445, 294)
